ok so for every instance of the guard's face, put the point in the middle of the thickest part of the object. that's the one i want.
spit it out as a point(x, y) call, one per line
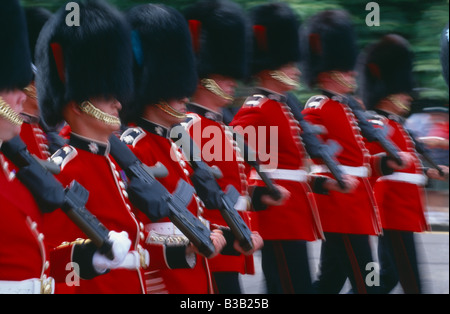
point(107, 107)
point(227, 85)
point(291, 70)
point(285, 78)
point(97, 118)
point(400, 103)
point(345, 81)
point(15, 100)
point(179, 105)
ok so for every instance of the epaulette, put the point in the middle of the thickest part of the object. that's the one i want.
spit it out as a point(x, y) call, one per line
point(63, 156)
point(375, 119)
point(191, 118)
point(316, 102)
point(132, 136)
point(256, 100)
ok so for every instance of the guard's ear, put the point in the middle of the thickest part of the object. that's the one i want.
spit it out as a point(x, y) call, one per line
point(72, 108)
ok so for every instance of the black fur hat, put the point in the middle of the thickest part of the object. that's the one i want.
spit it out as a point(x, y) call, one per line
point(77, 63)
point(36, 19)
point(164, 59)
point(220, 33)
point(276, 36)
point(444, 53)
point(15, 58)
point(385, 69)
point(329, 44)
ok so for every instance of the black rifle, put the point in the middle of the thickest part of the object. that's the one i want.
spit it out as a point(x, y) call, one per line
point(181, 217)
point(228, 200)
point(371, 133)
point(251, 158)
point(313, 145)
point(50, 194)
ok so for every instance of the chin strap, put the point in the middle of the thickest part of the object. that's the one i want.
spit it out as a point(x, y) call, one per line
point(164, 106)
point(337, 77)
point(283, 78)
point(89, 109)
point(398, 103)
point(212, 86)
point(7, 113)
point(30, 91)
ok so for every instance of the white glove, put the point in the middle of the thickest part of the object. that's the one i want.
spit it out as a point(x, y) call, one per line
point(242, 203)
point(120, 246)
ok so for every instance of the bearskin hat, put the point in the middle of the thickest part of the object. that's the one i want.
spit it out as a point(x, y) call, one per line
point(385, 69)
point(220, 34)
point(164, 59)
point(36, 19)
point(276, 36)
point(329, 44)
point(15, 58)
point(77, 63)
point(444, 53)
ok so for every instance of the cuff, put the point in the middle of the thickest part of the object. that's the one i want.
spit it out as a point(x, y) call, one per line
point(318, 185)
point(258, 192)
point(384, 168)
point(229, 247)
point(83, 255)
point(177, 258)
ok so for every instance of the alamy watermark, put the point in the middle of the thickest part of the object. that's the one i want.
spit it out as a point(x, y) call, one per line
point(213, 144)
point(373, 277)
point(73, 17)
point(373, 18)
point(73, 277)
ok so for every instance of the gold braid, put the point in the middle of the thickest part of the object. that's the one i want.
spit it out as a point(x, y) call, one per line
point(89, 109)
point(283, 78)
point(7, 113)
point(170, 111)
point(212, 86)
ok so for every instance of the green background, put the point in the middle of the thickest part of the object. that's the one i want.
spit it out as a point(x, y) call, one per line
point(421, 22)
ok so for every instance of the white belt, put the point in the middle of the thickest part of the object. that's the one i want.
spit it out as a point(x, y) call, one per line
point(362, 172)
point(30, 286)
point(282, 174)
point(413, 178)
point(165, 233)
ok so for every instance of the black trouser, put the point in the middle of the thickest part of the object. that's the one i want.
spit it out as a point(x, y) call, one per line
point(398, 262)
point(345, 256)
point(227, 283)
point(285, 265)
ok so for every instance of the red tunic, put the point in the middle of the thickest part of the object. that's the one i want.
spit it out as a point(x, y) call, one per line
point(220, 150)
point(355, 212)
point(278, 134)
point(89, 164)
point(35, 138)
point(401, 203)
point(150, 143)
point(22, 250)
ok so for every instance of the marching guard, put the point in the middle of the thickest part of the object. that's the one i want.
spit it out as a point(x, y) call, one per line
point(85, 74)
point(32, 132)
point(286, 228)
point(24, 262)
point(216, 26)
point(347, 219)
point(386, 87)
point(165, 76)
